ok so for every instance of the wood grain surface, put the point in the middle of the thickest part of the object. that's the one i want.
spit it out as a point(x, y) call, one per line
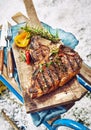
point(85, 72)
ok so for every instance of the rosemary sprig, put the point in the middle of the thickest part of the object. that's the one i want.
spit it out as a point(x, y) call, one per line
point(42, 32)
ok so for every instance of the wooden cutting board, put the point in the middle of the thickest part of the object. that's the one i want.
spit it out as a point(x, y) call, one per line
point(70, 92)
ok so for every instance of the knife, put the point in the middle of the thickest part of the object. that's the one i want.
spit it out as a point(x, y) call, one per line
point(2, 45)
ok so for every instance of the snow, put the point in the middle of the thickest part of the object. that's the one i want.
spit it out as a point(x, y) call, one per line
point(72, 16)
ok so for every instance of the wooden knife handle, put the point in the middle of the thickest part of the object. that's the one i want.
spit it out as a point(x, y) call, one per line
point(10, 63)
point(1, 60)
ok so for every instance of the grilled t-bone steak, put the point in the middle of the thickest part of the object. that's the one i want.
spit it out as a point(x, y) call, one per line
point(51, 70)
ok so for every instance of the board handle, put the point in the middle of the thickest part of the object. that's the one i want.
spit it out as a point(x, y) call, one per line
point(31, 12)
point(85, 73)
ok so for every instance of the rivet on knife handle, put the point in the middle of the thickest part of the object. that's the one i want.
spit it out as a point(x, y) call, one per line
point(1, 60)
point(10, 63)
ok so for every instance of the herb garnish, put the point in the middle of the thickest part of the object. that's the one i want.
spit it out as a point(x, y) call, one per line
point(54, 51)
point(42, 32)
point(22, 56)
point(49, 63)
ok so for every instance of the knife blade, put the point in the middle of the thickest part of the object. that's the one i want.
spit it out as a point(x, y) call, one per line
point(2, 45)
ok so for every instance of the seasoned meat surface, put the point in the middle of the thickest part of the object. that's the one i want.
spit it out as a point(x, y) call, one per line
point(54, 71)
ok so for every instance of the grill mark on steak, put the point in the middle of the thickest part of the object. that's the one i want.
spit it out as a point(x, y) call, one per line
point(44, 86)
point(50, 75)
point(46, 81)
point(56, 70)
point(47, 77)
point(39, 82)
point(54, 73)
point(75, 63)
point(70, 62)
point(54, 79)
point(60, 65)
